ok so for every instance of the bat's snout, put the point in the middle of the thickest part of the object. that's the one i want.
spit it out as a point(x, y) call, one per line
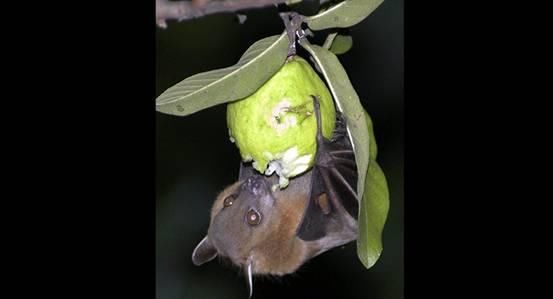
point(256, 185)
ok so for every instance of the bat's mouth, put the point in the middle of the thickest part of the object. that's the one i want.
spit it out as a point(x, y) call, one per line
point(256, 185)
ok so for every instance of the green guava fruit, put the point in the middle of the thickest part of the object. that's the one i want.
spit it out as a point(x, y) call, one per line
point(276, 126)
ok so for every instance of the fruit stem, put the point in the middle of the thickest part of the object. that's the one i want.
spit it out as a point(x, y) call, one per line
point(292, 22)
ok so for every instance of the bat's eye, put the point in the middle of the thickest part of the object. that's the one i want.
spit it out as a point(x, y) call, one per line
point(228, 201)
point(253, 217)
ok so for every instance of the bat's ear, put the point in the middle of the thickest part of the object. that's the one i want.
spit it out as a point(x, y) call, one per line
point(204, 252)
point(246, 171)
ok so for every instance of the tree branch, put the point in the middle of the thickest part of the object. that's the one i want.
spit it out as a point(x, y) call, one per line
point(186, 10)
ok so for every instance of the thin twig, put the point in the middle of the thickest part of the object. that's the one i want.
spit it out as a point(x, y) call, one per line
point(186, 10)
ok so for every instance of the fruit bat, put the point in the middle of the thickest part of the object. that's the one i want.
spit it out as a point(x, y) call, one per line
point(273, 232)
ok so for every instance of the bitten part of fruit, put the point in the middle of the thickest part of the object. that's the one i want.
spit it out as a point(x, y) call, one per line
point(276, 126)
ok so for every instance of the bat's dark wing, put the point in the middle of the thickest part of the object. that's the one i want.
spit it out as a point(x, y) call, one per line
point(331, 213)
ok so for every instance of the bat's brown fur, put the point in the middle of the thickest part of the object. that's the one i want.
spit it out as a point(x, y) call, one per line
point(277, 251)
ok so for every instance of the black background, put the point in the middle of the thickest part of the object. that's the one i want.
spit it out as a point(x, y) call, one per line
point(79, 200)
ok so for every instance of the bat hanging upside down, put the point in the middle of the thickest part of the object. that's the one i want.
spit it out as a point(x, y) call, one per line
point(275, 232)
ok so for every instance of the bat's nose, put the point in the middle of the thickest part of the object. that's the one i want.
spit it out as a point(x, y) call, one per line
point(256, 184)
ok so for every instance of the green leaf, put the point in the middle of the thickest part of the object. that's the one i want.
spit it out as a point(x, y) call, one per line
point(372, 186)
point(374, 207)
point(348, 103)
point(373, 212)
point(341, 44)
point(373, 148)
point(263, 59)
point(342, 15)
point(329, 40)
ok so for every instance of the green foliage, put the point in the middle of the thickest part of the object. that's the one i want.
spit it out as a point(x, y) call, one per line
point(201, 91)
point(342, 15)
point(341, 44)
point(372, 215)
point(338, 43)
point(374, 206)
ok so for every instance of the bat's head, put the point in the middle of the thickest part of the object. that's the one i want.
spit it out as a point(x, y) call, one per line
point(255, 227)
point(241, 218)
